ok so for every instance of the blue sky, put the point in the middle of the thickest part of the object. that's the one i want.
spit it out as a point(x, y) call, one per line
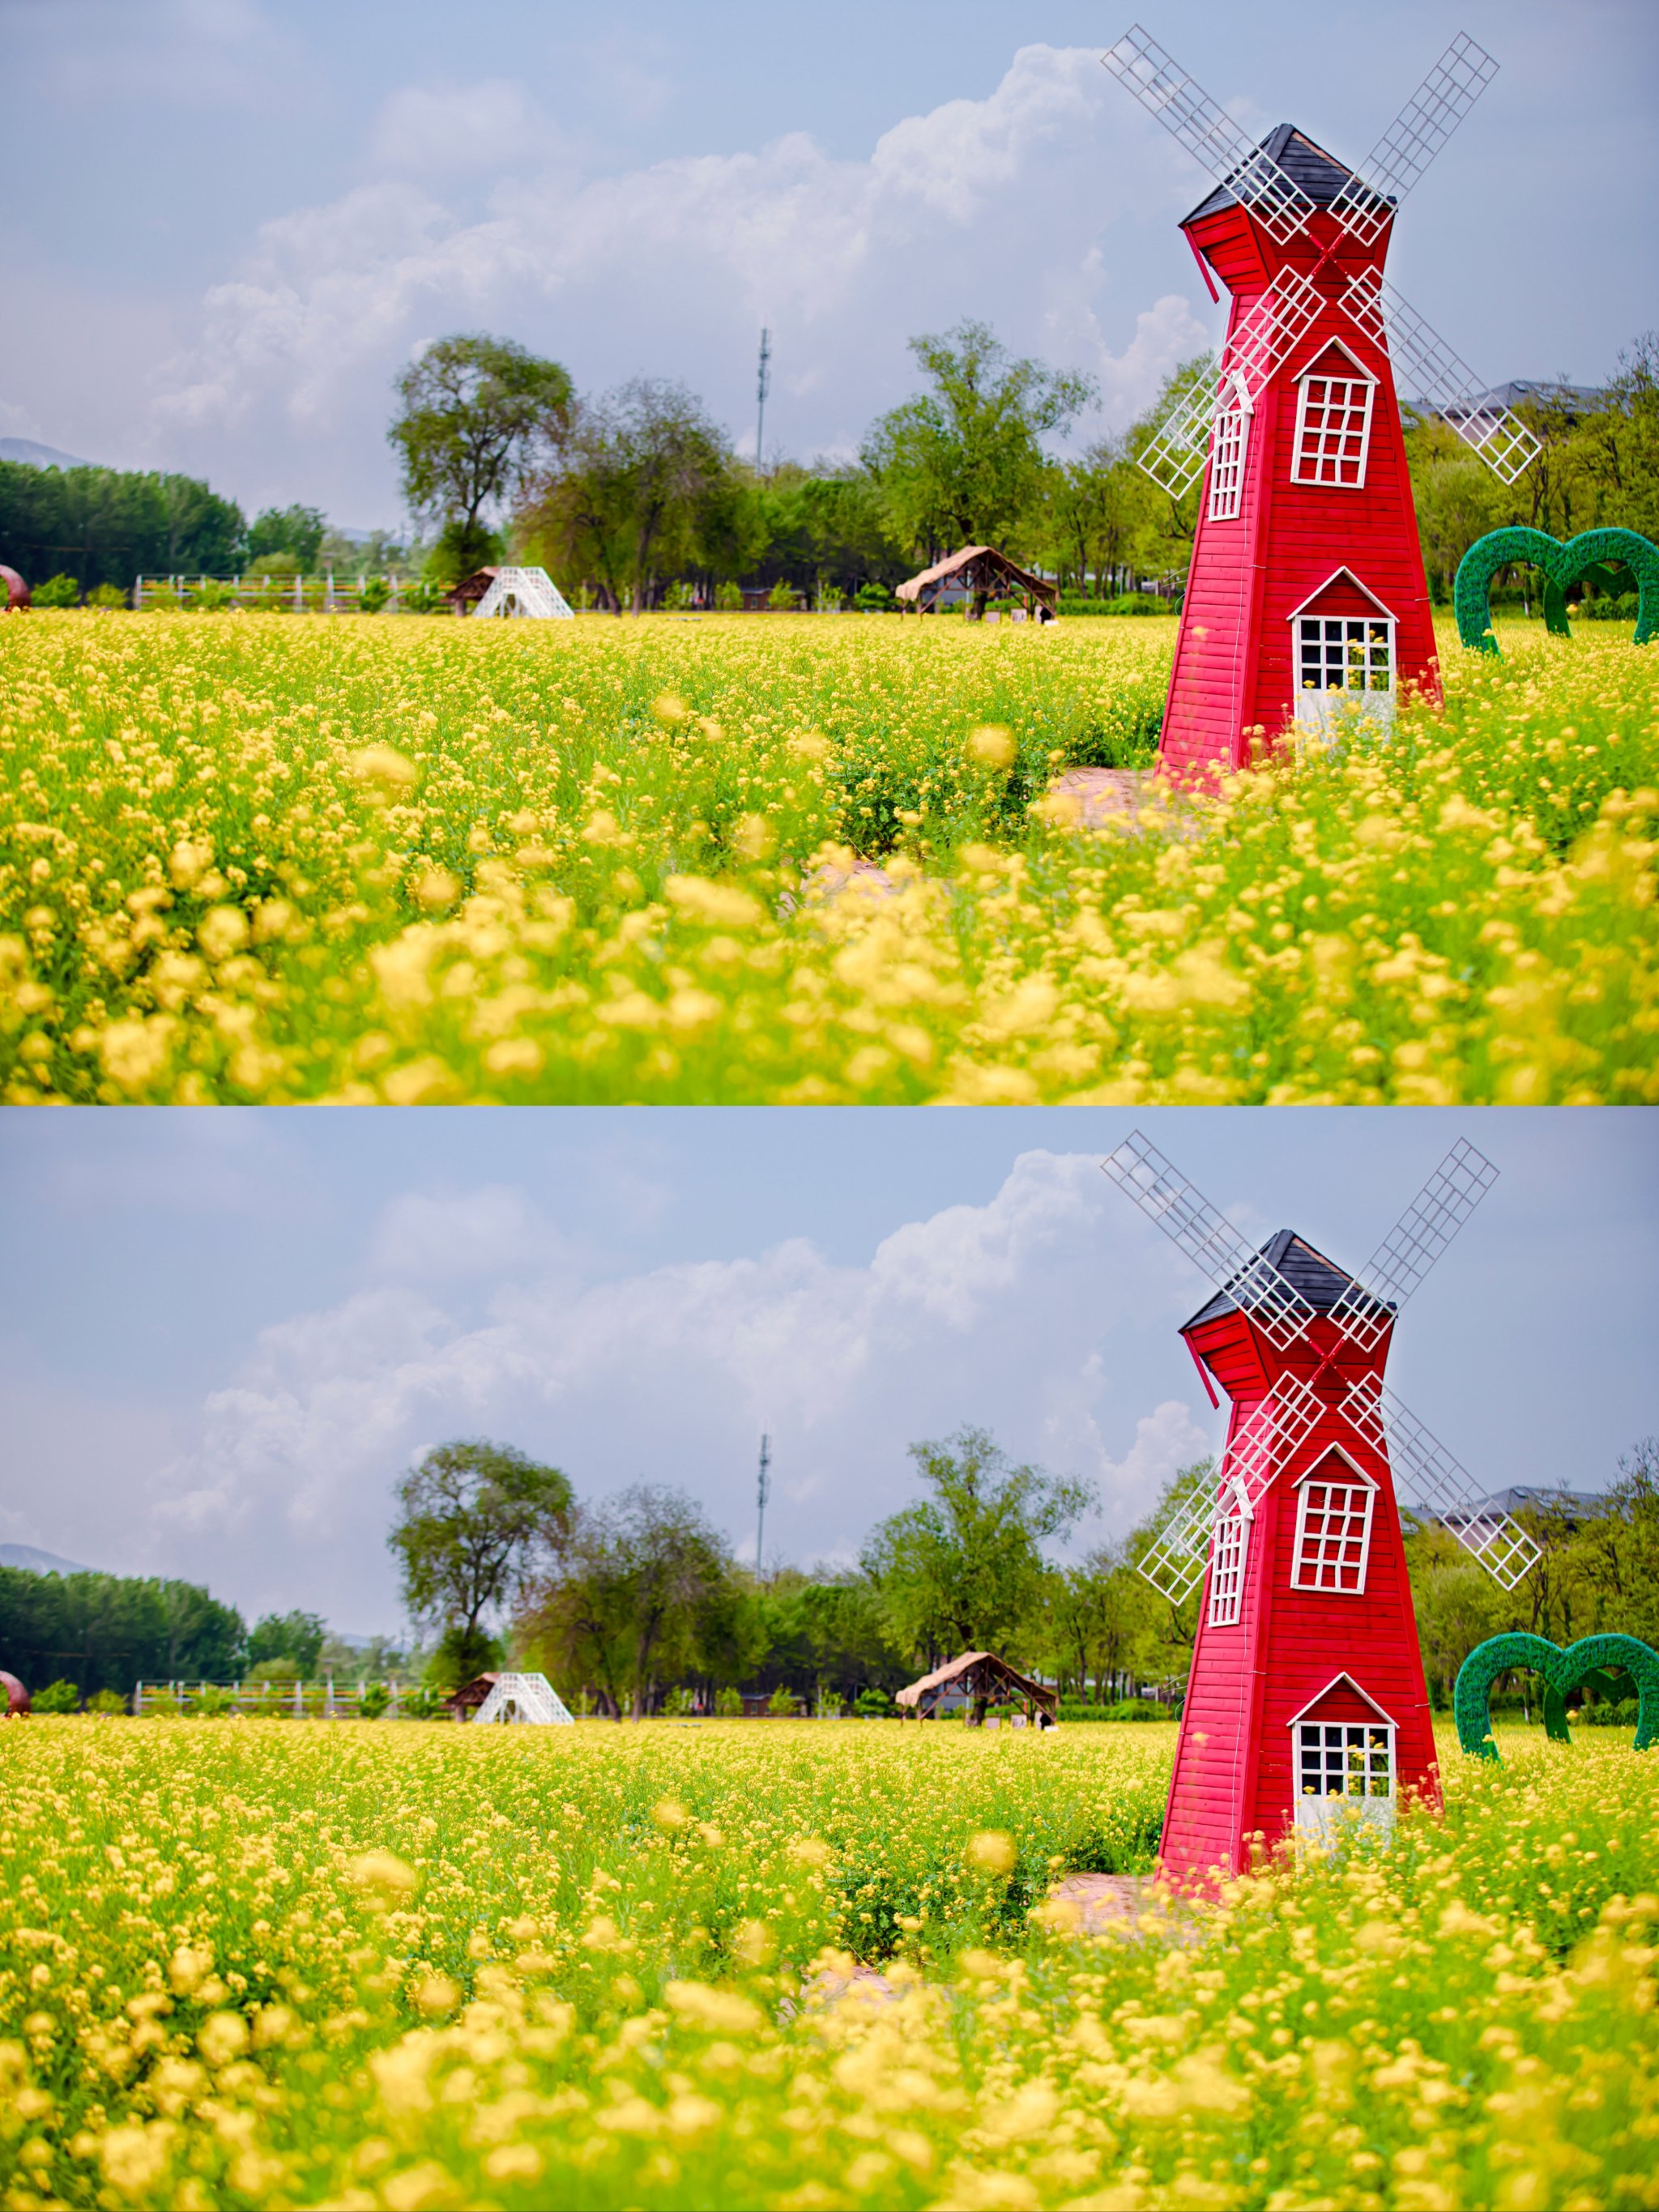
point(224, 1333)
point(230, 222)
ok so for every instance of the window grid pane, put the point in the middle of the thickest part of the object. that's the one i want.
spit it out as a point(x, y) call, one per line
point(1227, 1572)
point(1344, 1759)
point(1332, 1536)
point(1333, 430)
point(1344, 653)
point(1227, 465)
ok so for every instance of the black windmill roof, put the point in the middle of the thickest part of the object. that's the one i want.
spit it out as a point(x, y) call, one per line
point(1320, 174)
point(1319, 1280)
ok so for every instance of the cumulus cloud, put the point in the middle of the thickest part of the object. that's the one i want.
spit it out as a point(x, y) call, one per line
point(993, 1313)
point(673, 265)
point(432, 1236)
point(439, 130)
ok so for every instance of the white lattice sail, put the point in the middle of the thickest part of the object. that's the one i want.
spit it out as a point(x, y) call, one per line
point(525, 592)
point(530, 1697)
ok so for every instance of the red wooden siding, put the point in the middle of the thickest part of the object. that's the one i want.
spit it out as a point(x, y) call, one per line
point(1234, 670)
point(1235, 1772)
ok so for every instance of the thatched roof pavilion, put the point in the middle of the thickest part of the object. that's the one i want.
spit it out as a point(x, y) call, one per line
point(983, 1677)
point(979, 572)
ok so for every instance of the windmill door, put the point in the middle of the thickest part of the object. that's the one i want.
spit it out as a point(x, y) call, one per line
point(1342, 651)
point(1342, 1749)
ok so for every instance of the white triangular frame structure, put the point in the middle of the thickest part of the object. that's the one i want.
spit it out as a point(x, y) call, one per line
point(530, 1697)
point(530, 591)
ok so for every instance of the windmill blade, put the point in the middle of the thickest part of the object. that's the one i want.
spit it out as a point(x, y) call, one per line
point(1446, 383)
point(1209, 1240)
point(1175, 1561)
point(1209, 134)
point(1279, 1426)
point(1279, 320)
point(1174, 457)
point(1413, 1244)
point(1423, 1470)
point(1390, 170)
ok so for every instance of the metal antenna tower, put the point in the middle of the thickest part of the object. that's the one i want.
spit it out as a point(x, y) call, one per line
point(763, 1485)
point(762, 385)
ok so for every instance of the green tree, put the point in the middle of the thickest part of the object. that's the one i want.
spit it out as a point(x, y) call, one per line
point(642, 1588)
point(295, 533)
point(964, 1569)
point(476, 415)
point(962, 464)
point(1166, 1646)
point(108, 1631)
point(1103, 1622)
point(475, 1520)
point(294, 1639)
point(642, 488)
point(107, 526)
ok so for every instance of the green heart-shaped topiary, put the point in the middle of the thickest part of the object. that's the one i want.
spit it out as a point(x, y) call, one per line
point(1562, 1671)
point(1562, 565)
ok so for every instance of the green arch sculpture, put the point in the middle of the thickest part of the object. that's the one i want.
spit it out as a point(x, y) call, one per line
point(1562, 1671)
point(1585, 555)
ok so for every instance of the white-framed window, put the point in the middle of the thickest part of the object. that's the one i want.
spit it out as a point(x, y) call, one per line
point(1333, 1528)
point(1229, 450)
point(1230, 1559)
point(1344, 653)
point(1344, 1759)
point(1332, 422)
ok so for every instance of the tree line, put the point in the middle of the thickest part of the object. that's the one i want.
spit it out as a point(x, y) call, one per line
point(635, 498)
point(636, 1604)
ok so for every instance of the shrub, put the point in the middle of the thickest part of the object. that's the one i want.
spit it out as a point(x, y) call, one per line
point(728, 1704)
point(374, 594)
point(58, 591)
point(58, 1697)
point(213, 1702)
point(728, 598)
point(107, 595)
point(872, 599)
point(781, 597)
point(782, 1703)
point(212, 598)
point(107, 1701)
point(872, 1704)
point(375, 1699)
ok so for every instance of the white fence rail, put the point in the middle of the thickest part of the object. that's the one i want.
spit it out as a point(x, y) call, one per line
point(326, 594)
point(326, 1699)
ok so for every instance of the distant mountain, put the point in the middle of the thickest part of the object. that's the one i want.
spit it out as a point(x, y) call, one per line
point(39, 457)
point(40, 1563)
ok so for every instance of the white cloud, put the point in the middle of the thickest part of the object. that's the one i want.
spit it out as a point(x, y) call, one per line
point(433, 1237)
point(172, 54)
point(990, 1313)
point(443, 130)
point(671, 267)
point(1166, 1439)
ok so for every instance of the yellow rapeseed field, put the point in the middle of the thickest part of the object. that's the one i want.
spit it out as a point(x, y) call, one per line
point(268, 1964)
point(265, 858)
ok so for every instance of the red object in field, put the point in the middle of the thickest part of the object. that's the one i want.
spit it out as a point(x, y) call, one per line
point(1305, 1619)
point(1306, 586)
point(1306, 1710)
point(17, 591)
point(17, 1697)
point(1306, 562)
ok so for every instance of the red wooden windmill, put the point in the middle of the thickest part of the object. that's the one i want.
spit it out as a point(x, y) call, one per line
point(1307, 1699)
point(1307, 585)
